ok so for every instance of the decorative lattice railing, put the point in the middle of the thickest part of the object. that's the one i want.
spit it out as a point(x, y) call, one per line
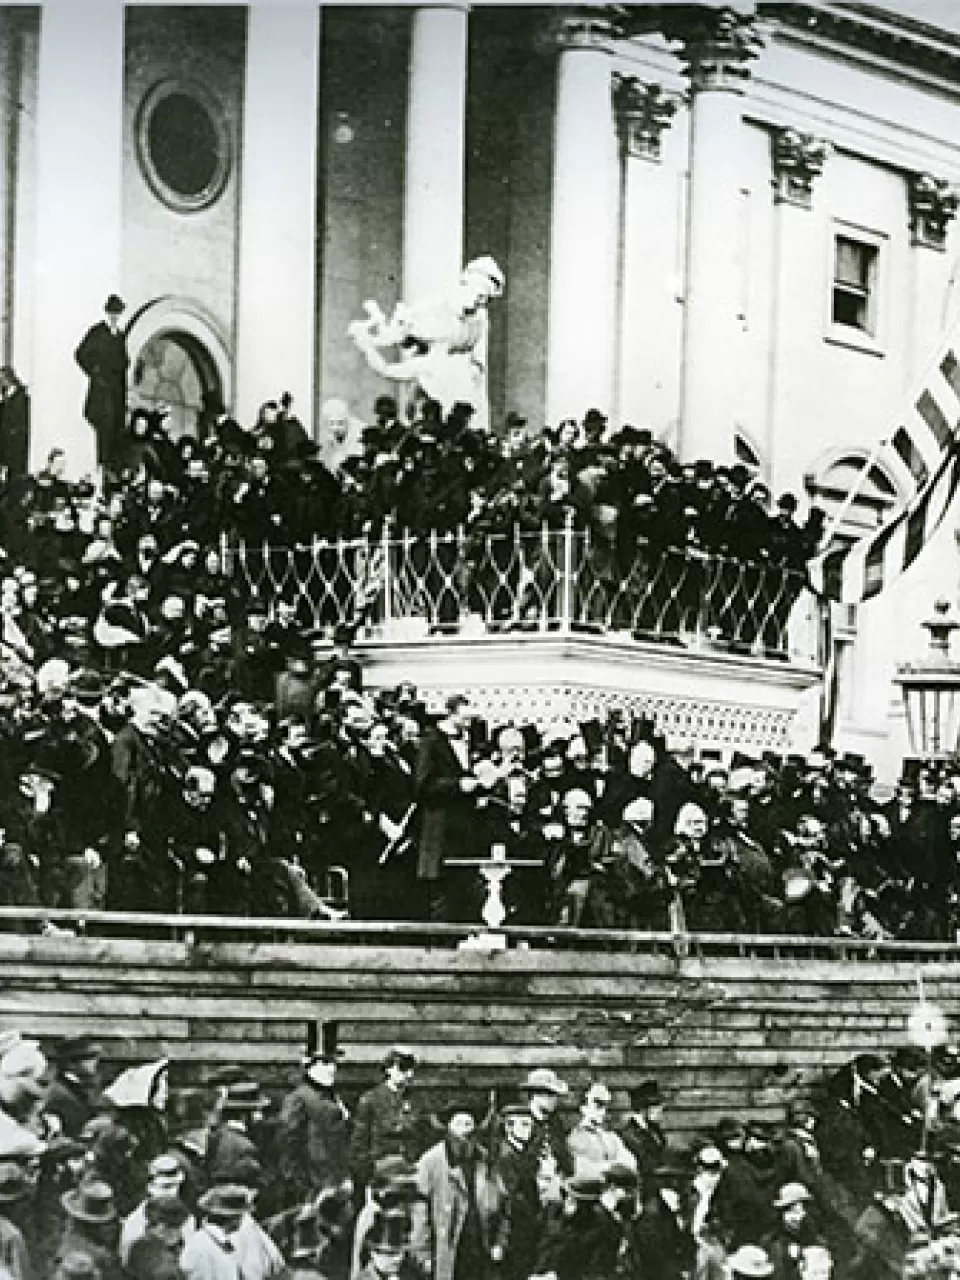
point(417, 586)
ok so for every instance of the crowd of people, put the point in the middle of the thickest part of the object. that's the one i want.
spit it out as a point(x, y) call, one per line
point(106, 1178)
point(171, 744)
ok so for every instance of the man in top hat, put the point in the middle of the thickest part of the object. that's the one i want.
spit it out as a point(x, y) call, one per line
point(592, 1143)
point(102, 355)
point(386, 1122)
point(312, 1134)
point(643, 1133)
point(242, 1107)
point(74, 1092)
point(463, 1231)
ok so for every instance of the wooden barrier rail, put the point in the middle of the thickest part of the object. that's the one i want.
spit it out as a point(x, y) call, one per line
point(726, 1023)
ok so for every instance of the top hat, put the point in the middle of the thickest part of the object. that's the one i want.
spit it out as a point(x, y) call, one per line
point(322, 1043)
point(114, 305)
point(226, 1201)
point(792, 1193)
point(594, 415)
point(90, 1202)
point(13, 1182)
point(244, 1095)
point(544, 1080)
point(646, 1094)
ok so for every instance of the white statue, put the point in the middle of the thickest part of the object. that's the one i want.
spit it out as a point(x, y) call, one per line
point(443, 342)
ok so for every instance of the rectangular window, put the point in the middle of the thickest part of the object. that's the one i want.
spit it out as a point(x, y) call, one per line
point(854, 300)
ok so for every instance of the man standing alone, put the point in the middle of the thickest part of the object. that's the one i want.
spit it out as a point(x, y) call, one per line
point(102, 355)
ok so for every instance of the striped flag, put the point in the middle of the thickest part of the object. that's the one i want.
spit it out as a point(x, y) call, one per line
point(927, 441)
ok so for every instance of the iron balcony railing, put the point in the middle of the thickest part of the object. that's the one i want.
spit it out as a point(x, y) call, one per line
point(416, 586)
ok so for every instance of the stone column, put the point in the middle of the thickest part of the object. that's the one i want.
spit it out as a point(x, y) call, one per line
point(277, 311)
point(716, 56)
point(433, 190)
point(79, 145)
point(581, 322)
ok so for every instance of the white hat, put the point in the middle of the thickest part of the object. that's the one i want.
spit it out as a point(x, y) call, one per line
point(487, 267)
point(16, 1142)
point(133, 1087)
point(750, 1260)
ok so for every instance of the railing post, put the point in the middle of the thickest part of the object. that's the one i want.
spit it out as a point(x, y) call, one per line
point(567, 584)
point(387, 575)
point(226, 567)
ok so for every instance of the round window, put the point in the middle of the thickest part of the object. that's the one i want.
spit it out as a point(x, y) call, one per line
point(183, 146)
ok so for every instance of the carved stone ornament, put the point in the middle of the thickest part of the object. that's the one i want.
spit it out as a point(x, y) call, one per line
point(643, 114)
point(798, 158)
point(933, 204)
point(716, 45)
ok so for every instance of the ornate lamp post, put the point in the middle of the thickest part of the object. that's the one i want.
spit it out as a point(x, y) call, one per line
point(931, 691)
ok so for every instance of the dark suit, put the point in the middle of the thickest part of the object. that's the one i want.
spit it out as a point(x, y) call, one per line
point(448, 824)
point(103, 357)
point(15, 431)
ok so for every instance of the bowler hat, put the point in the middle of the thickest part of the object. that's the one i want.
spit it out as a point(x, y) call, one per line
point(791, 1193)
point(90, 1202)
point(621, 1175)
point(544, 1080)
point(244, 1095)
point(515, 419)
point(227, 1200)
point(166, 1211)
point(114, 305)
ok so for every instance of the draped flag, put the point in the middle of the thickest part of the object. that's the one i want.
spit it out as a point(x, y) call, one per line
point(926, 439)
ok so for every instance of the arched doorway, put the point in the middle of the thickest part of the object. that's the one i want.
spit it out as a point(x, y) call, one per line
point(178, 357)
point(173, 369)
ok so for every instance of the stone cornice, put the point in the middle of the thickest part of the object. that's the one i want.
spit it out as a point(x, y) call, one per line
point(867, 28)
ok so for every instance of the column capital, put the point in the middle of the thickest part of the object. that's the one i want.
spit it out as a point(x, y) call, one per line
point(717, 46)
point(798, 158)
point(643, 112)
point(578, 29)
point(933, 204)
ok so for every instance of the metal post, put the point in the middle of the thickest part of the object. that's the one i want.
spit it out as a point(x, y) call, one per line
point(566, 598)
point(387, 576)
